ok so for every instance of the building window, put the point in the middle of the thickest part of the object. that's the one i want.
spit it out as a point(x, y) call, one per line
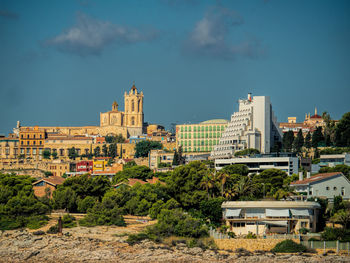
point(132, 105)
point(327, 188)
point(343, 191)
point(335, 188)
point(34, 151)
point(303, 224)
point(34, 136)
point(34, 143)
point(28, 136)
point(28, 151)
point(132, 120)
point(27, 142)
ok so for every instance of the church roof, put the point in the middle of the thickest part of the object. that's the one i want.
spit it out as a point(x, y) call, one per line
point(316, 116)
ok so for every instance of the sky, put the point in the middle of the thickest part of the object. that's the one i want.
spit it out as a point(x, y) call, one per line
point(64, 62)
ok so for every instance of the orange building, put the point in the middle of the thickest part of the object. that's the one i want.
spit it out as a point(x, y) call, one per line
point(31, 142)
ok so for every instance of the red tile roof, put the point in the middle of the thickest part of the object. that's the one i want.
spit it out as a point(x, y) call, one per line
point(316, 116)
point(53, 180)
point(315, 178)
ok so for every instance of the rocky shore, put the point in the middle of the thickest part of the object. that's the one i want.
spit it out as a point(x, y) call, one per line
point(24, 246)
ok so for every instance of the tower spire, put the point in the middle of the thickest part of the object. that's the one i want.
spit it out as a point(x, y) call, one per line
point(315, 111)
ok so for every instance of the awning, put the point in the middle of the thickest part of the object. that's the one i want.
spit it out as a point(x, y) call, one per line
point(275, 223)
point(277, 212)
point(300, 212)
point(255, 212)
point(232, 212)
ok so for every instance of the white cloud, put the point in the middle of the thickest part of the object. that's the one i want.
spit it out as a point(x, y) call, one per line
point(90, 36)
point(209, 36)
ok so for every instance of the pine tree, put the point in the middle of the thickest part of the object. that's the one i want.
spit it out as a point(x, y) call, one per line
point(307, 142)
point(105, 150)
point(298, 141)
point(317, 137)
point(288, 139)
point(176, 158)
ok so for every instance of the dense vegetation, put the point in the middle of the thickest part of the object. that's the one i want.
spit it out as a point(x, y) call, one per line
point(18, 205)
point(333, 134)
point(144, 147)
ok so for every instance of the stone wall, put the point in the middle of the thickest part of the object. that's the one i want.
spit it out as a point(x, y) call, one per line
point(249, 244)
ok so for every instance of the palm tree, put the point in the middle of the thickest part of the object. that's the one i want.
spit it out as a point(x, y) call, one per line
point(222, 176)
point(208, 181)
point(244, 187)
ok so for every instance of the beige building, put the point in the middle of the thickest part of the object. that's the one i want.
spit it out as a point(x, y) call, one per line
point(58, 167)
point(83, 145)
point(200, 137)
point(126, 123)
point(270, 217)
point(159, 157)
point(9, 148)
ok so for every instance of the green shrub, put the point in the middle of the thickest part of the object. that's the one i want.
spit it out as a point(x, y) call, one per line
point(288, 246)
point(68, 221)
point(137, 238)
point(331, 234)
point(250, 235)
point(7, 223)
point(231, 234)
point(304, 230)
point(53, 230)
point(35, 222)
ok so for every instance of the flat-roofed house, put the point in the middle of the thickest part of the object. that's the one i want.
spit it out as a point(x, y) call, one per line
point(270, 217)
point(324, 185)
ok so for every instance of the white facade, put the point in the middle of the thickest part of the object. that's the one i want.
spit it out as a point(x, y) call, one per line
point(258, 164)
point(326, 185)
point(253, 126)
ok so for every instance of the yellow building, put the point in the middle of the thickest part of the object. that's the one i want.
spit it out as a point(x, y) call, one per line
point(100, 164)
point(31, 142)
point(127, 123)
point(200, 137)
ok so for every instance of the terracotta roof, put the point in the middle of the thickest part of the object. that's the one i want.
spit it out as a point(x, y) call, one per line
point(316, 178)
point(316, 116)
point(53, 180)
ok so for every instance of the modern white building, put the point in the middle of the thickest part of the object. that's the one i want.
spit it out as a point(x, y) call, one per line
point(258, 163)
point(253, 126)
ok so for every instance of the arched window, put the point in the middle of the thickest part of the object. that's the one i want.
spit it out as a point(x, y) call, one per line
point(133, 119)
point(132, 105)
point(138, 106)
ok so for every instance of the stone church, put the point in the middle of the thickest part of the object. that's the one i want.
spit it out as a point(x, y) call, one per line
point(130, 119)
point(127, 123)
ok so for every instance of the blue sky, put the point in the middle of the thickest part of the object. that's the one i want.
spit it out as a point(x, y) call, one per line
point(63, 62)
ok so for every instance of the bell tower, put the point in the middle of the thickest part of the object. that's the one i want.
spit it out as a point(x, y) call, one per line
point(133, 101)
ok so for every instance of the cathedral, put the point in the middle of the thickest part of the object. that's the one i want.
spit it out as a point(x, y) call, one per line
point(127, 123)
point(131, 118)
